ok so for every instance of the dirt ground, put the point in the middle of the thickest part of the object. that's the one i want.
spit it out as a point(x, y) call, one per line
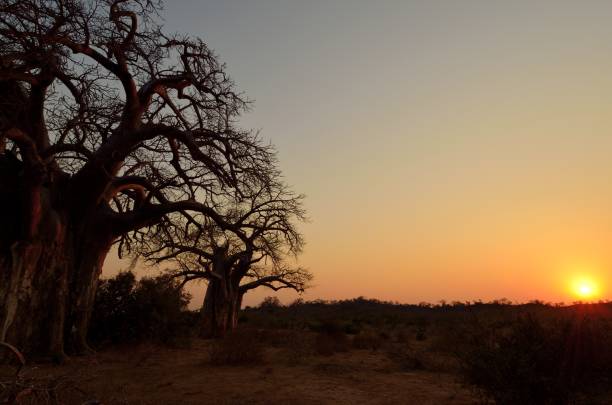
point(158, 375)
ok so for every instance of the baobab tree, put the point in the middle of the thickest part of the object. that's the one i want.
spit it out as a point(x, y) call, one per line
point(107, 126)
point(245, 246)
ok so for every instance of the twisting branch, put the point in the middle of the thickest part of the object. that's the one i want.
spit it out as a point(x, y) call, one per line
point(123, 99)
point(247, 239)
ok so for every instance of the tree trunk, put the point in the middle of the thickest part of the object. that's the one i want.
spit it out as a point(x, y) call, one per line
point(215, 310)
point(88, 267)
point(47, 277)
point(34, 278)
point(47, 291)
point(236, 304)
point(52, 246)
point(219, 313)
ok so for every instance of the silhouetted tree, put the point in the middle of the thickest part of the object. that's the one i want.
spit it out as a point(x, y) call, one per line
point(244, 251)
point(107, 126)
point(270, 303)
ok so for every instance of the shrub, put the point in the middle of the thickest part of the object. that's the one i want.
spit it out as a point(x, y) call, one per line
point(114, 310)
point(530, 361)
point(327, 344)
point(331, 338)
point(270, 303)
point(236, 348)
point(324, 345)
point(401, 336)
point(299, 346)
point(353, 327)
point(421, 333)
point(162, 306)
point(367, 341)
point(406, 358)
point(127, 310)
point(328, 327)
point(277, 337)
point(421, 329)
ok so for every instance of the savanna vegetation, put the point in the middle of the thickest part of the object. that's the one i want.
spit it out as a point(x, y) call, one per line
point(535, 353)
point(349, 351)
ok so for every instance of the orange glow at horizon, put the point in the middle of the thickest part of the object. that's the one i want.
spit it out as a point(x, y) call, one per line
point(448, 150)
point(585, 288)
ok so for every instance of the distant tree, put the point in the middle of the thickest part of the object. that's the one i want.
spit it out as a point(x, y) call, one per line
point(107, 126)
point(270, 303)
point(297, 302)
point(244, 248)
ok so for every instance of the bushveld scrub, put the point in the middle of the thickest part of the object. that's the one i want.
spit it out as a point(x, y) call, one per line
point(331, 338)
point(531, 353)
point(528, 353)
point(128, 311)
point(541, 361)
point(368, 340)
point(507, 354)
point(405, 357)
point(328, 344)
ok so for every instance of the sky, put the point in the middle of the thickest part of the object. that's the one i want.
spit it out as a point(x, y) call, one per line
point(448, 150)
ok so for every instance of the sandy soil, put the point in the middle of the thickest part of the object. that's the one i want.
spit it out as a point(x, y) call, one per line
point(154, 375)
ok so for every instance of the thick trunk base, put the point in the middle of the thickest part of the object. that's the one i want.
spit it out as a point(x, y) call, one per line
point(33, 297)
point(47, 290)
point(219, 314)
point(83, 293)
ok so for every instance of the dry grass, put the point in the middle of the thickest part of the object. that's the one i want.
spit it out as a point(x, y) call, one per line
point(420, 361)
point(327, 344)
point(21, 384)
point(161, 375)
point(367, 341)
point(237, 348)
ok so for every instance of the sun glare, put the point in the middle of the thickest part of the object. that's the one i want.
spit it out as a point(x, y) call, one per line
point(585, 289)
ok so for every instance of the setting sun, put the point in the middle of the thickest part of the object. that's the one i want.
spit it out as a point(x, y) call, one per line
point(585, 288)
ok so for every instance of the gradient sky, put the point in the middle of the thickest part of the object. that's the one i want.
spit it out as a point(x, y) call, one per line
point(448, 149)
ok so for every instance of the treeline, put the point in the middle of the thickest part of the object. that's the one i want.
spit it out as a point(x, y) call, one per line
point(156, 308)
point(352, 314)
point(373, 302)
point(375, 307)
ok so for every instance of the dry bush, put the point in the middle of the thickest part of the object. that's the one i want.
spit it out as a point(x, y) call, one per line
point(237, 348)
point(331, 338)
point(420, 333)
point(127, 310)
point(296, 344)
point(448, 338)
point(324, 345)
point(541, 361)
point(367, 341)
point(276, 337)
point(299, 346)
point(327, 344)
point(333, 369)
point(405, 357)
point(401, 336)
